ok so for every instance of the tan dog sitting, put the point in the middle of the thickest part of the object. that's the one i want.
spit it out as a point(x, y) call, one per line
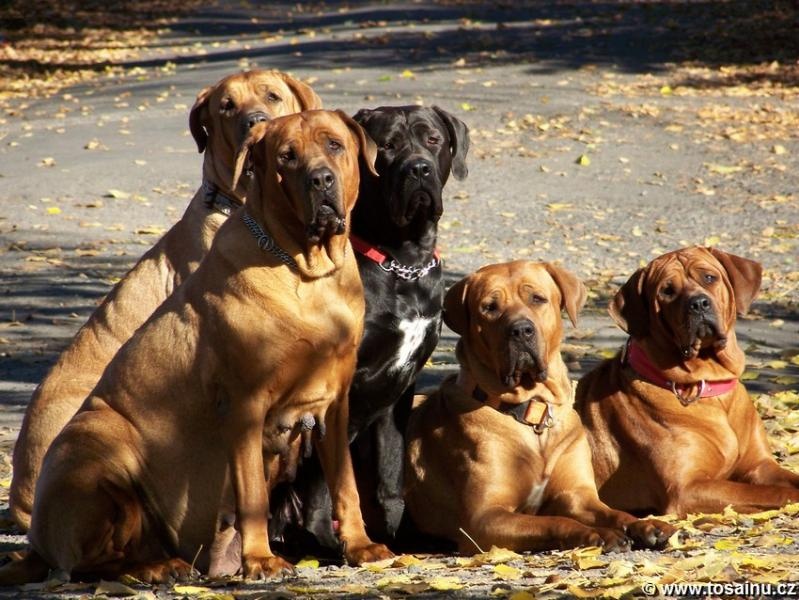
point(256, 347)
point(499, 452)
point(219, 122)
point(671, 427)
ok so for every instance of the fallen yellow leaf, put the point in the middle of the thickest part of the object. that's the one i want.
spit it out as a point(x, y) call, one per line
point(507, 572)
point(443, 584)
point(495, 556)
point(405, 561)
point(308, 562)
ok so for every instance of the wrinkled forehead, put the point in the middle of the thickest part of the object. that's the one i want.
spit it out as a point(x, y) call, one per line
point(253, 84)
point(512, 281)
point(310, 127)
point(388, 121)
point(682, 263)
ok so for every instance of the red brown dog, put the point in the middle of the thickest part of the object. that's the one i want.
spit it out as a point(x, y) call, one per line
point(500, 452)
point(671, 427)
point(219, 121)
point(257, 346)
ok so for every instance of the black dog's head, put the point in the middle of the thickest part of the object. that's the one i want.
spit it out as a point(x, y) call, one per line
point(417, 149)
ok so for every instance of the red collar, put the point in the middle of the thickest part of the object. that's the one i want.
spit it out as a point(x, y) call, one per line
point(634, 356)
point(390, 265)
point(368, 250)
point(373, 252)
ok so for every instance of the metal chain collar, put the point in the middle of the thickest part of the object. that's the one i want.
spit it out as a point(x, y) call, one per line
point(409, 273)
point(266, 243)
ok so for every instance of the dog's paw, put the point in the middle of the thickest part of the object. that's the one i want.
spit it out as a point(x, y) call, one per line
point(265, 567)
point(579, 536)
point(368, 553)
point(650, 533)
point(166, 571)
point(614, 540)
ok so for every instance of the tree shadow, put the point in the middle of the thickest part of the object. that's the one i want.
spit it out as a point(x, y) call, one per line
point(548, 37)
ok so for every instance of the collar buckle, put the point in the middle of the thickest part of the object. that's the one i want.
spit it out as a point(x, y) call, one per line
point(547, 420)
point(216, 200)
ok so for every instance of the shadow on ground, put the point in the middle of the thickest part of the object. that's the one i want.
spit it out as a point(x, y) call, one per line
point(548, 36)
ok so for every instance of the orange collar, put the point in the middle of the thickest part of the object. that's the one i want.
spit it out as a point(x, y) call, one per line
point(635, 357)
point(535, 412)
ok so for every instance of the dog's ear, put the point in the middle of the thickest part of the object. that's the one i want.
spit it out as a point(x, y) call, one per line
point(628, 307)
point(368, 148)
point(363, 116)
point(456, 313)
point(198, 117)
point(459, 142)
point(254, 135)
point(572, 291)
point(745, 277)
point(306, 97)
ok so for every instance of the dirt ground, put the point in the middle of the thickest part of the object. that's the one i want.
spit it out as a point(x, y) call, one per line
point(603, 134)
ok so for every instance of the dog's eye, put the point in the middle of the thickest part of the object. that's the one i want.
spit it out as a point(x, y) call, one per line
point(433, 140)
point(287, 156)
point(334, 146)
point(490, 307)
point(709, 278)
point(388, 146)
point(227, 105)
point(537, 299)
point(667, 290)
point(272, 97)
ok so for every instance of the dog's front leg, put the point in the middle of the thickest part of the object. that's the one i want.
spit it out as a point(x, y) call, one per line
point(702, 495)
point(245, 433)
point(390, 454)
point(572, 492)
point(499, 526)
point(334, 454)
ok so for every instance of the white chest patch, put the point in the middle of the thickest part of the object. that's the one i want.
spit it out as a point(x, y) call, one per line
point(535, 497)
point(413, 334)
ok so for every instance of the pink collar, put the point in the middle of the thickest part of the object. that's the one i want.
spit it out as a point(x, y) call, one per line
point(390, 265)
point(634, 356)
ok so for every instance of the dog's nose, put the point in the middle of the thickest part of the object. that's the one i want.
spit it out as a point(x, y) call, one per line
point(322, 179)
point(421, 169)
point(699, 304)
point(256, 117)
point(522, 330)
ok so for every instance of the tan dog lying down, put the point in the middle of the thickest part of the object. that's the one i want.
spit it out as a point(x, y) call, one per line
point(671, 427)
point(219, 121)
point(257, 345)
point(499, 452)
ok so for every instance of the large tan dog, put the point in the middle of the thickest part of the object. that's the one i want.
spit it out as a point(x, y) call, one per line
point(219, 122)
point(499, 452)
point(257, 345)
point(671, 427)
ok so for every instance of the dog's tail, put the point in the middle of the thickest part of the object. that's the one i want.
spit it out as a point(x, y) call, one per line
point(29, 569)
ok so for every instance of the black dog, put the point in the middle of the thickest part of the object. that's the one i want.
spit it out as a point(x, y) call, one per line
point(394, 229)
